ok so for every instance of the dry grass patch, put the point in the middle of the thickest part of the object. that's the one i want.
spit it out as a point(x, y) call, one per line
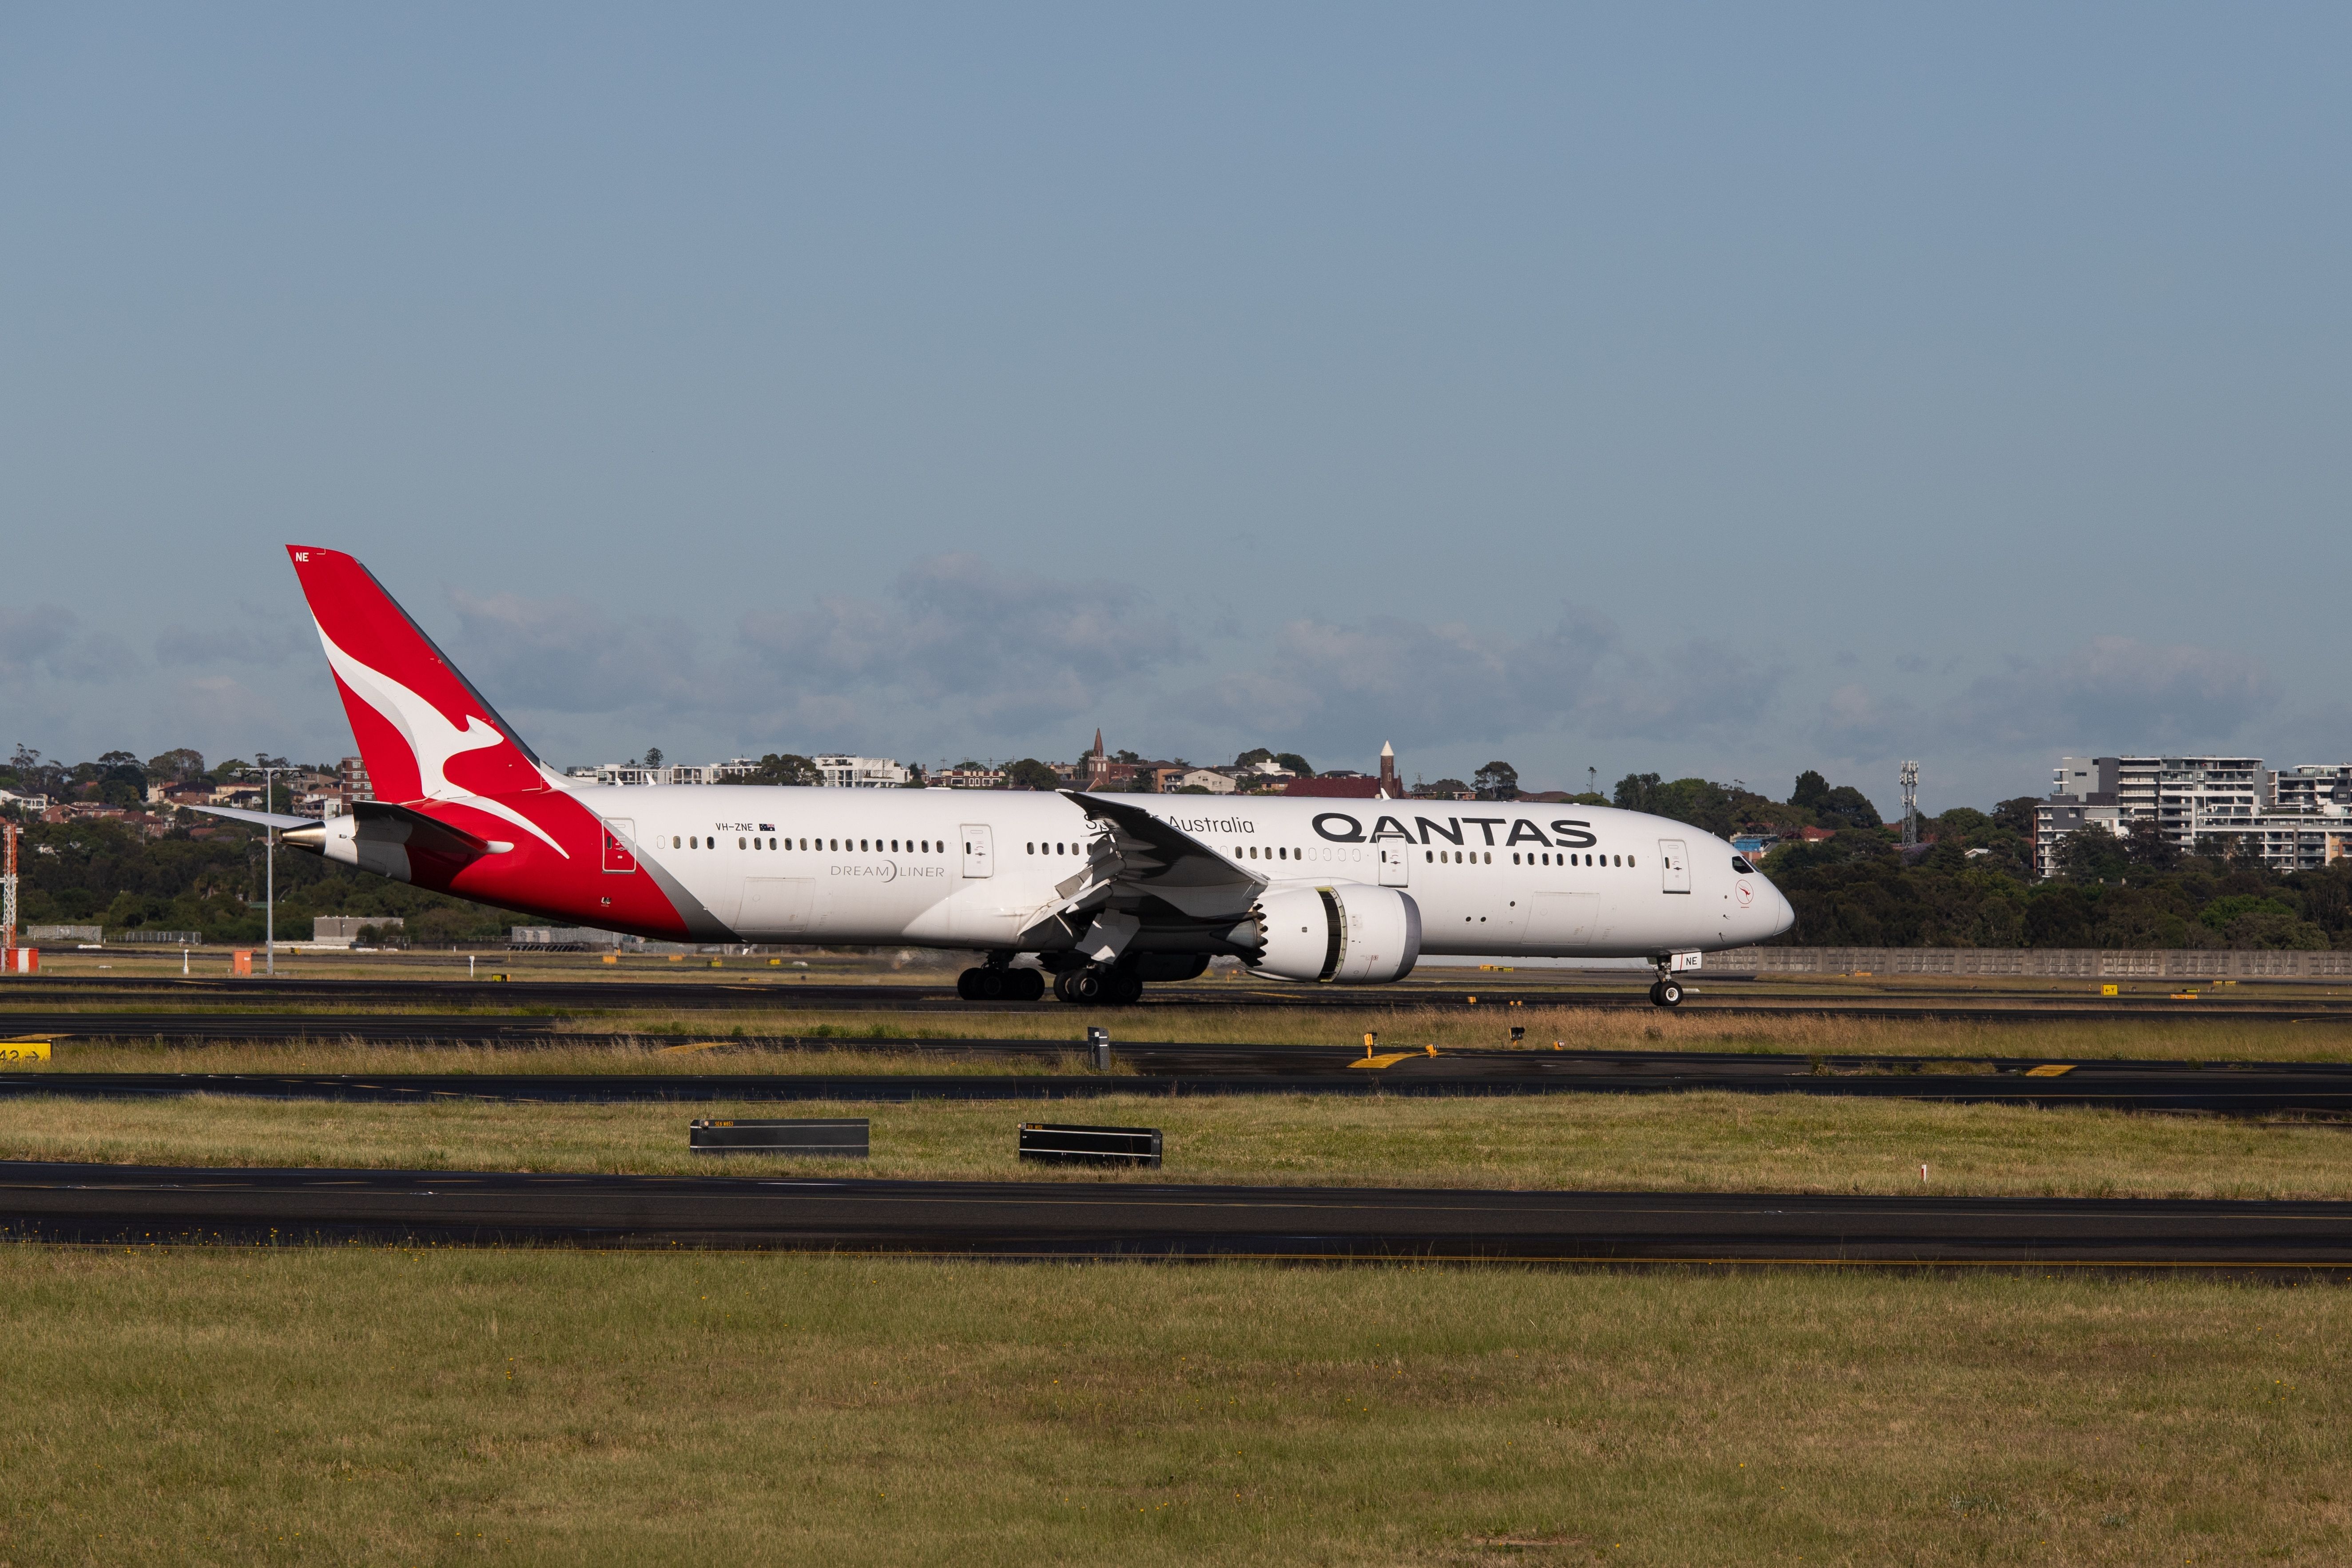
point(569, 1408)
point(685, 1054)
point(1695, 1142)
point(631, 1041)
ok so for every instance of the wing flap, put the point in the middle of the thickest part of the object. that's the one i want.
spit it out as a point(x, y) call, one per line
point(1170, 864)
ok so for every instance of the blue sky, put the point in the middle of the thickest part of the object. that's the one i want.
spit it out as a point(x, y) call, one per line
point(1721, 390)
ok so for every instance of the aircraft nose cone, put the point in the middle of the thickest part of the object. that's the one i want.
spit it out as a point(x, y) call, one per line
point(1788, 915)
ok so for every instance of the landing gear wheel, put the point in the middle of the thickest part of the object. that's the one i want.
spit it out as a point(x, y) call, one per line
point(1656, 986)
point(1081, 985)
point(987, 983)
point(1122, 988)
point(1024, 984)
point(1667, 994)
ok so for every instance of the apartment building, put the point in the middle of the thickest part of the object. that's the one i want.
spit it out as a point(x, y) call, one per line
point(2295, 819)
point(841, 772)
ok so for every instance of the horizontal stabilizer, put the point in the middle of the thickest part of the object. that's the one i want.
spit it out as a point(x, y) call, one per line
point(422, 832)
point(379, 819)
point(258, 818)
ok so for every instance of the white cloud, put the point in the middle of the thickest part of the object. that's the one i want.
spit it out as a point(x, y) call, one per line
point(1328, 685)
point(1854, 720)
point(41, 639)
point(183, 647)
point(2116, 693)
point(960, 641)
point(567, 657)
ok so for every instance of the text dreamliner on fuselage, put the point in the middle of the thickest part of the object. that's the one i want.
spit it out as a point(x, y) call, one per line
point(1103, 893)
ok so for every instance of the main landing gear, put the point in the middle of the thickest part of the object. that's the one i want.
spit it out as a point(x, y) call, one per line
point(1088, 985)
point(1000, 983)
point(1117, 986)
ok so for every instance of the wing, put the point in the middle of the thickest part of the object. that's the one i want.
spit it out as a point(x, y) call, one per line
point(1161, 874)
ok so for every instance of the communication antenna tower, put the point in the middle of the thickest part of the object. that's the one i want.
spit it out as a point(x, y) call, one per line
point(1910, 803)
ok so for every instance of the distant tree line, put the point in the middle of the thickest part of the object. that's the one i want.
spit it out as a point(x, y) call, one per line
point(101, 872)
point(1970, 883)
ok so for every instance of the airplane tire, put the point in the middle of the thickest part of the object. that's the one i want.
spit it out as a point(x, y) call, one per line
point(1024, 985)
point(1670, 993)
point(968, 985)
point(992, 987)
point(1120, 988)
point(1083, 986)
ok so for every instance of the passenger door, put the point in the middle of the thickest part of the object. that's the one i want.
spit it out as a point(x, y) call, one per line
point(1396, 866)
point(620, 832)
point(1674, 863)
point(978, 859)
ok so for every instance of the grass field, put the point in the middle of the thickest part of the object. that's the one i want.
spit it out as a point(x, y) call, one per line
point(1708, 1141)
point(403, 1407)
point(2216, 1038)
point(368, 1406)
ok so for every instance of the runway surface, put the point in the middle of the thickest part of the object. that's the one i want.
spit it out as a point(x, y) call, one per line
point(1712, 994)
point(2254, 1088)
point(125, 1205)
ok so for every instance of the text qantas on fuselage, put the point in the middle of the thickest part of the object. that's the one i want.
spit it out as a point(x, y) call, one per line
point(1103, 892)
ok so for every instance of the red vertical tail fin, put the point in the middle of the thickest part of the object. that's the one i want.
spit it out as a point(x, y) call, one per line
point(423, 730)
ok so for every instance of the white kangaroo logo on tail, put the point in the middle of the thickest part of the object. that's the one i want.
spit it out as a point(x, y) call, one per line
point(431, 737)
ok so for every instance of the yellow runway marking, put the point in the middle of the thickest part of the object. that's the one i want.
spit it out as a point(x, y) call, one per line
point(1387, 1062)
point(2050, 1070)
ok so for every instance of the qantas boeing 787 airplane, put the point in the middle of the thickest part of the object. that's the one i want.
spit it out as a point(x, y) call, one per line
point(1102, 892)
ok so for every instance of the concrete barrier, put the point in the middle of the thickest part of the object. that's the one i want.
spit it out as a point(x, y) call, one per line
point(2060, 962)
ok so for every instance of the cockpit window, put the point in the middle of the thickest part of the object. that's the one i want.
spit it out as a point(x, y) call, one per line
point(1739, 864)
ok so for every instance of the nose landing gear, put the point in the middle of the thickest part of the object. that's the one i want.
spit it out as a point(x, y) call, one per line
point(1667, 991)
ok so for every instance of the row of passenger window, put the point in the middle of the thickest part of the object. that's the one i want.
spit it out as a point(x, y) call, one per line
point(1436, 856)
point(856, 846)
point(1283, 852)
point(1439, 855)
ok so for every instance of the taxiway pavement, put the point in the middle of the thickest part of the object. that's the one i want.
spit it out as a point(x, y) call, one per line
point(129, 1206)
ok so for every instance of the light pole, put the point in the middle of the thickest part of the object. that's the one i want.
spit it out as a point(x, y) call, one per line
point(269, 870)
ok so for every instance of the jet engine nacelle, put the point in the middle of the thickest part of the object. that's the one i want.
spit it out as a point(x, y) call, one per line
point(1349, 933)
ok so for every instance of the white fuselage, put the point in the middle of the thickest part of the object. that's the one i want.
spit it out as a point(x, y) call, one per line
point(975, 869)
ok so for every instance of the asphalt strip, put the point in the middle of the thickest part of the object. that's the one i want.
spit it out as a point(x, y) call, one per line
point(138, 1204)
point(2321, 1091)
